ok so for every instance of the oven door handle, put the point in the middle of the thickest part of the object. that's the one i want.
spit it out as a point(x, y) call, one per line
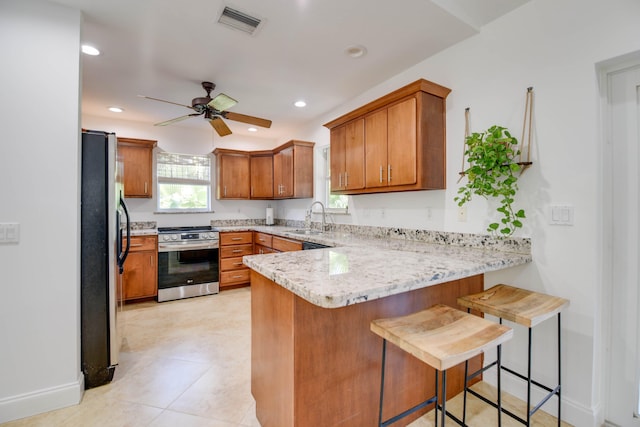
point(163, 247)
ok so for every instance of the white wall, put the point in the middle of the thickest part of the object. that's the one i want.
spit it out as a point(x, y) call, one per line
point(554, 47)
point(188, 140)
point(39, 188)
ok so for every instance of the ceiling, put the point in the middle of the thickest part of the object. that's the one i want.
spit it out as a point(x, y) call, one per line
point(166, 48)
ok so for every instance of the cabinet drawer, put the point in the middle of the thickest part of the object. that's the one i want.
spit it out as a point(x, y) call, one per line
point(231, 264)
point(261, 250)
point(237, 276)
point(263, 239)
point(285, 245)
point(143, 243)
point(235, 238)
point(236, 251)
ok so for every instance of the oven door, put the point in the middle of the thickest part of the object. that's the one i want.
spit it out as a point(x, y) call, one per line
point(186, 265)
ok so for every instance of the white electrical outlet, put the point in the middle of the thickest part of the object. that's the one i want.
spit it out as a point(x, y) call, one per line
point(462, 214)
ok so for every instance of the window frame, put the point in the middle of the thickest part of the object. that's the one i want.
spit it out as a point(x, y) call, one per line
point(184, 181)
point(326, 158)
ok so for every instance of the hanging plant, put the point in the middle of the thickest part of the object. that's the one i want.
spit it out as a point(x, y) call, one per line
point(492, 173)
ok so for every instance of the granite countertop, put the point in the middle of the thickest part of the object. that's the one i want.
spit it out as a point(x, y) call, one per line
point(358, 268)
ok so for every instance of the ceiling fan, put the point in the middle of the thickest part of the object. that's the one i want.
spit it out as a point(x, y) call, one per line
point(213, 110)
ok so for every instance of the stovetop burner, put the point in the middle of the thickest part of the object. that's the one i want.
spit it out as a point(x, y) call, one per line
point(190, 229)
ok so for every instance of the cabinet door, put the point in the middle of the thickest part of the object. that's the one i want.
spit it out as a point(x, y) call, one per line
point(140, 275)
point(234, 176)
point(262, 177)
point(376, 149)
point(402, 143)
point(354, 155)
point(283, 174)
point(137, 170)
point(337, 157)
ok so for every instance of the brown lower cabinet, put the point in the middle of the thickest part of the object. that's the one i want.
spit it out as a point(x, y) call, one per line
point(140, 276)
point(233, 246)
point(315, 366)
point(264, 243)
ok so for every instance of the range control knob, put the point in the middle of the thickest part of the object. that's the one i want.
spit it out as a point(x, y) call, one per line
point(212, 235)
point(174, 237)
point(165, 237)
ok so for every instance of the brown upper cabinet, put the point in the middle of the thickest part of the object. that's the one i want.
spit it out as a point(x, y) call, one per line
point(285, 172)
point(262, 176)
point(233, 169)
point(395, 143)
point(137, 159)
point(347, 156)
point(293, 170)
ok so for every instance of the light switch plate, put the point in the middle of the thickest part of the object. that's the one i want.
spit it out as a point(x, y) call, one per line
point(561, 215)
point(9, 232)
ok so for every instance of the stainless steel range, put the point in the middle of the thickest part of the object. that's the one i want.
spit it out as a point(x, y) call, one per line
point(187, 262)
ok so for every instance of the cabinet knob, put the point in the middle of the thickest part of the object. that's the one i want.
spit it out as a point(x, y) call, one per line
point(381, 174)
point(389, 173)
point(146, 188)
point(346, 179)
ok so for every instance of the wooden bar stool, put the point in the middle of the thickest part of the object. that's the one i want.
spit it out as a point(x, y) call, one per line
point(526, 308)
point(441, 337)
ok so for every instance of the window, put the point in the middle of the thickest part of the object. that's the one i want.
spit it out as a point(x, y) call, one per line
point(332, 201)
point(184, 182)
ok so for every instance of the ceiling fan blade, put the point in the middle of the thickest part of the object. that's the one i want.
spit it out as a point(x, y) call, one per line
point(220, 126)
point(222, 102)
point(168, 102)
point(177, 119)
point(247, 119)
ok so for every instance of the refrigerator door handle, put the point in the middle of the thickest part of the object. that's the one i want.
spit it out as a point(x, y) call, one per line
point(122, 255)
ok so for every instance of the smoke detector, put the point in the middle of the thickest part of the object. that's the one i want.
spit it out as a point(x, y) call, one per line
point(240, 21)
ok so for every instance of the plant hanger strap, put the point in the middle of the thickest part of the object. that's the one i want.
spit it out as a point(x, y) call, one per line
point(526, 131)
point(466, 134)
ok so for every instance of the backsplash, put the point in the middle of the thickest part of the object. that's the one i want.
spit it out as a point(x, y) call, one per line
point(143, 225)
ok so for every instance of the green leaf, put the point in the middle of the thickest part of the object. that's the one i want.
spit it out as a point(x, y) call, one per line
point(520, 214)
point(494, 226)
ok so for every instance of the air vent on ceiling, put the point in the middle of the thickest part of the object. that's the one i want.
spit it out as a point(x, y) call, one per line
point(239, 20)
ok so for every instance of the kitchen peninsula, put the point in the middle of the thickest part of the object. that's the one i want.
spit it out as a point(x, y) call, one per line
point(314, 359)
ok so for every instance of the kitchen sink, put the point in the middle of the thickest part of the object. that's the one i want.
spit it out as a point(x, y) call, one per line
point(307, 232)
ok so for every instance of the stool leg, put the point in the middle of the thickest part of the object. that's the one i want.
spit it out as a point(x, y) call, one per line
point(559, 377)
point(464, 396)
point(384, 356)
point(529, 383)
point(435, 409)
point(499, 365)
point(443, 414)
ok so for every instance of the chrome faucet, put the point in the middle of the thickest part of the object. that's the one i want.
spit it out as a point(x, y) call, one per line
point(324, 220)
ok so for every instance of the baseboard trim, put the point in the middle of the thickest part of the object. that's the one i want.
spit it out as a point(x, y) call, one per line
point(573, 412)
point(45, 400)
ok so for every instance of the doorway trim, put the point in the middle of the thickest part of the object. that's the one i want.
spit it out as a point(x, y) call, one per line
point(602, 361)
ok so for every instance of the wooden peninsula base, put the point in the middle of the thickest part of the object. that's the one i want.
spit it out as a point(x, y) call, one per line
point(314, 366)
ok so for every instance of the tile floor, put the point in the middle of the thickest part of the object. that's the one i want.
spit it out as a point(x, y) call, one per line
point(187, 363)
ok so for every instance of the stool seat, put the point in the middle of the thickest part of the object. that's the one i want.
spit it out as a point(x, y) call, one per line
point(442, 336)
point(517, 305)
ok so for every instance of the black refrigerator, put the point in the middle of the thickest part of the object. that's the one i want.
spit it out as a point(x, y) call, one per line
point(105, 241)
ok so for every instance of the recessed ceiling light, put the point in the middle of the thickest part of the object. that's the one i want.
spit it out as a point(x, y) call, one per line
point(300, 104)
point(356, 51)
point(116, 109)
point(90, 50)
point(252, 130)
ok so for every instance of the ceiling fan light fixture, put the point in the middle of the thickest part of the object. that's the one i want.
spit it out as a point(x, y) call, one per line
point(300, 104)
point(238, 20)
point(116, 109)
point(252, 129)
